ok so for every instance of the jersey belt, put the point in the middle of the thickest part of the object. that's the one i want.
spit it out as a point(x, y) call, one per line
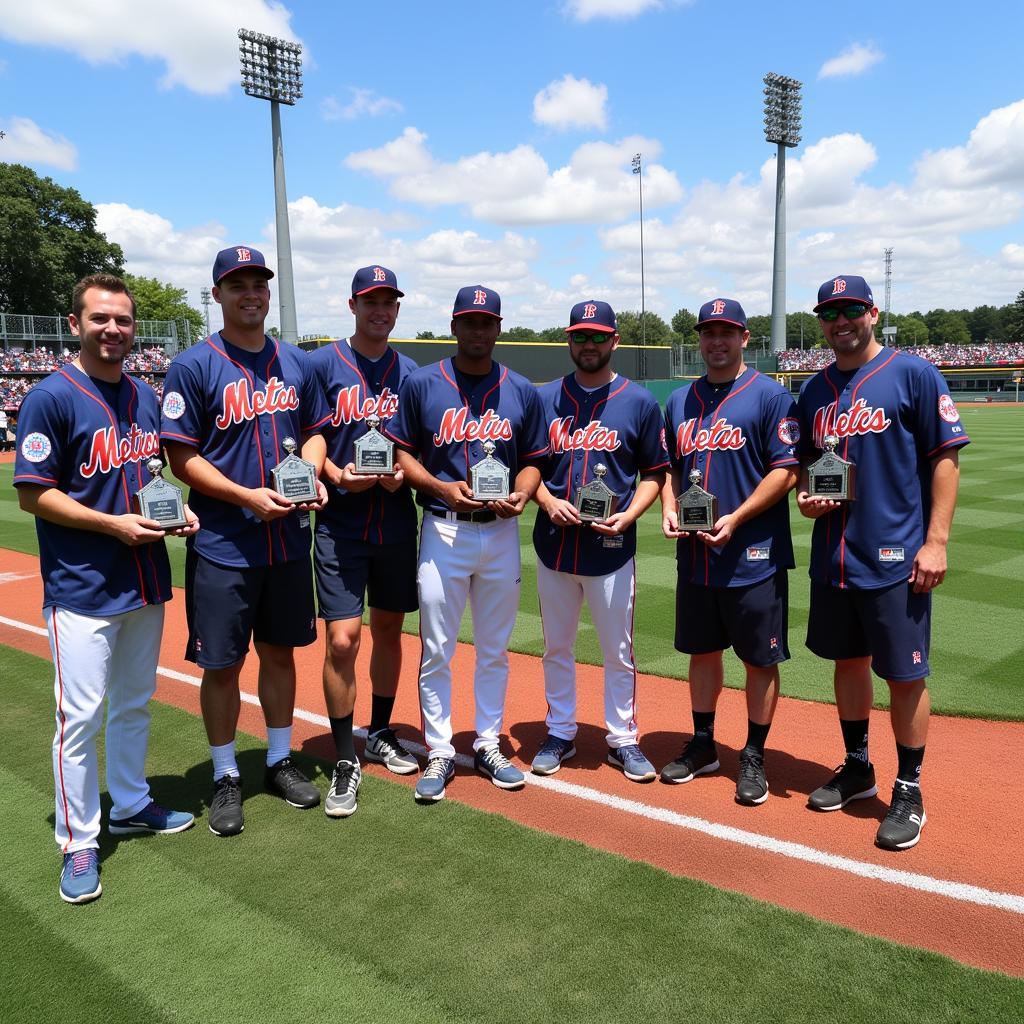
point(483, 516)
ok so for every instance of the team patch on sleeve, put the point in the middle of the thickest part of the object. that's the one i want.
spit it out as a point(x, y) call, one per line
point(36, 447)
point(890, 554)
point(948, 410)
point(789, 430)
point(174, 405)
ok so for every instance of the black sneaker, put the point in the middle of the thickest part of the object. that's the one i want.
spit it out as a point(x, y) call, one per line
point(698, 758)
point(901, 828)
point(853, 780)
point(226, 807)
point(751, 784)
point(287, 781)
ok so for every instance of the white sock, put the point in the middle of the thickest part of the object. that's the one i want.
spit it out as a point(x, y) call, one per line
point(224, 761)
point(279, 744)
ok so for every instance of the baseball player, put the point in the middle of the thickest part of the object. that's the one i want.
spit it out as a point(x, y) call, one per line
point(469, 549)
point(594, 418)
point(876, 559)
point(365, 536)
point(738, 428)
point(229, 405)
point(85, 434)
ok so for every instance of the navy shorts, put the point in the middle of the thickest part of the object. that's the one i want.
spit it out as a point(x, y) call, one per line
point(752, 620)
point(348, 569)
point(226, 605)
point(893, 625)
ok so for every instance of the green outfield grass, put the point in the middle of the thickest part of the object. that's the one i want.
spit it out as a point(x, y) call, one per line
point(978, 625)
point(405, 913)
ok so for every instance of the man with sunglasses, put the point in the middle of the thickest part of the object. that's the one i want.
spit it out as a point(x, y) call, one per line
point(876, 559)
point(594, 417)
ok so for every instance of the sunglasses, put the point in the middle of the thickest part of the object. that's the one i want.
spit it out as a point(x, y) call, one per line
point(831, 313)
point(598, 338)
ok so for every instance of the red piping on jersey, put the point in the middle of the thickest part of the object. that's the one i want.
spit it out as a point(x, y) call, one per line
point(132, 402)
point(957, 441)
point(568, 478)
point(632, 619)
point(63, 722)
point(27, 477)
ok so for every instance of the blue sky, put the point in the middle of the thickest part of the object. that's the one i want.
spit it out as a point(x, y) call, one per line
point(490, 143)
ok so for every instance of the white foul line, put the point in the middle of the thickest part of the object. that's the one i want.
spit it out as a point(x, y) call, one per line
point(959, 891)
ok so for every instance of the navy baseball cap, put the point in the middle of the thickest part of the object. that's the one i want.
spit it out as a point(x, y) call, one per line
point(592, 315)
point(726, 311)
point(475, 298)
point(847, 288)
point(369, 279)
point(238, 257)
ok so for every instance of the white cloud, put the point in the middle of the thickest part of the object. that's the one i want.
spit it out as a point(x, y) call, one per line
point(362, 103)
point(197, 40)
point(587, 10)
point(854, 60)
point(517, 186)
point(27, 143)
point(571, 103)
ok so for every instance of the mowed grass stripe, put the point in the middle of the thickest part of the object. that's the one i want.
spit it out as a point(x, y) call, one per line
point(420, 914)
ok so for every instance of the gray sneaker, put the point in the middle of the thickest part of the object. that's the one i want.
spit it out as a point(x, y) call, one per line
point(435, 778)
point(631, 762)
point(499, 769)
point(554, 750)
point(341, 797)
point(385, 748)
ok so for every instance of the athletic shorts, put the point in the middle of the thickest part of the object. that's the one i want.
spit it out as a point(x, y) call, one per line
point(226, 606)
point(752, 620)
point(348, 569)
point(892, 625)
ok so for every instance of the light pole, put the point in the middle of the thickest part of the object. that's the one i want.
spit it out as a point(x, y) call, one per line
point(638, 170)
point(204, 297)
point(272, 70)
point(781, 126)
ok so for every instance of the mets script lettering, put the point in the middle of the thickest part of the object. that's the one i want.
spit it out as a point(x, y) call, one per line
point(350, 408)
point(594, 437)
point(860, 418)
point(108, 451)
point(721, 436)
point(458, 425)
point(239, 405)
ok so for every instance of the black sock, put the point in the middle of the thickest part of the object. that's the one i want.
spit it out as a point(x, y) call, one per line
point(910, 761)
point(855, 739)
point(380, 712)
point(756, 736)
point(704, 726)
point(341, 730)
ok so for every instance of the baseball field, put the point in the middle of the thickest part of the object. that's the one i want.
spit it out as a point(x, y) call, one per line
point(584, 897)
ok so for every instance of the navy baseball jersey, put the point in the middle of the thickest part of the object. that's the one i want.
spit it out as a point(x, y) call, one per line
point(618, 425)
point(356, 387)
point(445, 424)
point(892, 416)
point(236, 408)
point(92, 440)
point(735, 434)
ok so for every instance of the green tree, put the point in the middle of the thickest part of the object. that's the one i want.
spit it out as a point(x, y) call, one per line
point(983, 323)
point(552, 334)
point(1015, 319)
point(684, 324)
point(631, 330)
point(48, 240)
point(801, 330)
point(760, 328)
point(518, 334)
point(947, 328)
point(157, 301)
point(910, 330)
point(425, 336)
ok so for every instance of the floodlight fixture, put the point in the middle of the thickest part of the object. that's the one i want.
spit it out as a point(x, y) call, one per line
point(642, 363)
point(782, 111)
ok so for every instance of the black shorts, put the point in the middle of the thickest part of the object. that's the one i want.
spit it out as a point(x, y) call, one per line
point(752, 620)
point(226, 605)
point(348, 569)
point(893, 625)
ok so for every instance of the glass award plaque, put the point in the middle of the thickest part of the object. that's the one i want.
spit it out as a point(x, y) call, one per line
point(595, 501)
point(375, 454)
point(160, 500)
point(294, 478)
point(831, 476)
point(489, 477)
point(698, 509)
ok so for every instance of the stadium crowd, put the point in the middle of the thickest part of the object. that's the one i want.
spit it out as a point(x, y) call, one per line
point(991, 353)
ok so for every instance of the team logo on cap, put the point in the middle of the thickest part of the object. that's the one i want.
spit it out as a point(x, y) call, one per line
point(717, 307)
point(789, 431)
point(36, 447)
point(379, 275)
point(174, 405)
point(948, 410)
point(589, 311)
point(479, 297)
point(243, 255)
point(838, 286)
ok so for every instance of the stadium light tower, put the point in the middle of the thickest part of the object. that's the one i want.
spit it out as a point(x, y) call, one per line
point(204, 297)
point(272, 70)
point(781, 126)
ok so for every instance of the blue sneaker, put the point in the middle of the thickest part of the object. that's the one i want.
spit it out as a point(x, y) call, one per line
point(80, 876)
point(554, 750)
point(492, 763)
point(438, 773)
point(152, 818)
point(632, 763)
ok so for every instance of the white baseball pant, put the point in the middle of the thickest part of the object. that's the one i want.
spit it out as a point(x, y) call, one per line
point(93, 657)
point(610, 599)
point(478, 561)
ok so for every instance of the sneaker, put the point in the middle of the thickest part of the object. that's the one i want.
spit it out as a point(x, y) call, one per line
point(341, 797)
point(901, 828)
point(286, 780)
point(384, 747)
point(498, 768)
point(554, 750)
point(438, 773)
point(226, 817)
point(632, 763)
point(853, 780)
point(698, 758)
point(80, 876)
point(751, 784)
point(152, 818)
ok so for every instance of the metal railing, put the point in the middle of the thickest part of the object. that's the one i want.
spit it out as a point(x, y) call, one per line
point(25, 330)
